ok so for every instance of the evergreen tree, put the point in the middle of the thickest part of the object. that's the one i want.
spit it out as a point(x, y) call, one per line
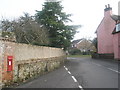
point(55, 21)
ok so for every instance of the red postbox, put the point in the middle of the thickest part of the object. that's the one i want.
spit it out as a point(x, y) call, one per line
point(9, 63)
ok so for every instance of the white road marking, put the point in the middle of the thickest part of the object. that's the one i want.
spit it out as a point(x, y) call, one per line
point(113, 70)
point(74, 79)
point(66, 69)
point(107, 68)
point(80, 87)
point(69, 72)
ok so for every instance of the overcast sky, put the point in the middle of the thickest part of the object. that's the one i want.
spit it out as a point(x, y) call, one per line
point(87, 13)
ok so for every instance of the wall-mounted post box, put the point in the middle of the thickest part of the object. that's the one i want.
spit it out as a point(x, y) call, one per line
point(9, 63)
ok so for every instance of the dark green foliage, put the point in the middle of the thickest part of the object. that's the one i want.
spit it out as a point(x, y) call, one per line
point(75, 51)
point(55, 21)
point(95, 42)
point(7, 34)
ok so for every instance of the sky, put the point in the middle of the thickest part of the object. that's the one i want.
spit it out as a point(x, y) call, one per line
point(87, 13)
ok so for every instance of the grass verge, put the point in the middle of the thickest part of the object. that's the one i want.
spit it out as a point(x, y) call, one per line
point(78, 55)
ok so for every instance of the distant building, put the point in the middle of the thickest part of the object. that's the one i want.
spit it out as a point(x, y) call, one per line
point(108, 34)
point(74, 43)
point(83, 45)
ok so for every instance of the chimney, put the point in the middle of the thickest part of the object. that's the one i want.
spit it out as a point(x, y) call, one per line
point(107, 10)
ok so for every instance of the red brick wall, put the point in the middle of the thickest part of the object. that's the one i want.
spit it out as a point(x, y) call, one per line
point(8, 51)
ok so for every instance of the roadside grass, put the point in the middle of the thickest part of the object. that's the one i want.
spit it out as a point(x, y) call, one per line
point(78, 55)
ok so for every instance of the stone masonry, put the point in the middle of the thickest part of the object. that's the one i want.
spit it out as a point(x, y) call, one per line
point(28, 61)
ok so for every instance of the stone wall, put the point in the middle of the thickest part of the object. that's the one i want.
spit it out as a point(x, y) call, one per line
point(28, 61)
point(1, 53)
point(32, 68)
point(7, 49)
point(27, 52)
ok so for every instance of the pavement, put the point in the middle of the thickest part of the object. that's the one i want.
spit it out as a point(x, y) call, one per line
point(81, 73)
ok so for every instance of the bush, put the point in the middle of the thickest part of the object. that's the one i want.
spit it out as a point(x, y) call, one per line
point(74, 52)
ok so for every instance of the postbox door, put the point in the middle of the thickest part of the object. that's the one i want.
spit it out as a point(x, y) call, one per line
point(9, 63)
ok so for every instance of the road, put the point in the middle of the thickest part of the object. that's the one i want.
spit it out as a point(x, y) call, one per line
point(79, 73)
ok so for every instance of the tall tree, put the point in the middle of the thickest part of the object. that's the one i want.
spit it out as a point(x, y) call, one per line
point(54, 19)
point(95, 43)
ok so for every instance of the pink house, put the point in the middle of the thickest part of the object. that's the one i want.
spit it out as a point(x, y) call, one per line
point(108, 34)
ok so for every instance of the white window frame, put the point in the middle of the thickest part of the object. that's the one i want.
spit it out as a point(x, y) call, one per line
point(118, 27)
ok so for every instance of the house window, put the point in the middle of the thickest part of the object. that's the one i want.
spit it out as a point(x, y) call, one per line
point(74, 45)
point(118, 27)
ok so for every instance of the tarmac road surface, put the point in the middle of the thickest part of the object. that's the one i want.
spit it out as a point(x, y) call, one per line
point(79, 73)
